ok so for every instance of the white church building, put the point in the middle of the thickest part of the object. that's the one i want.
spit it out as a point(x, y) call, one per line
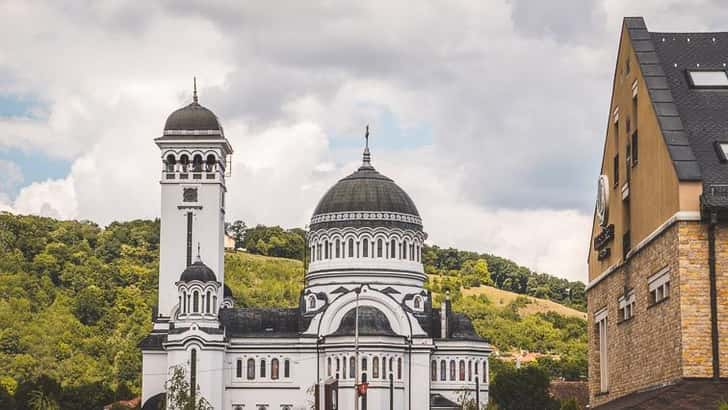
point(365, 243)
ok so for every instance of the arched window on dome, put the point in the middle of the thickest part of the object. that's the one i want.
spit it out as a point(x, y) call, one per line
point(365, 248)
point(208, 296)
point(326, 249)
point(433, 371)
point(379, 248)
point(274, 369)
point(184, 302)
point(399, 368)
point(352, 367)
point(412, 252)
point(210, 164)
point(375, 367)
point(312, 254)
point(251, 369)
point(184, 160)
point(343, 368)
point(393, 250)
point(470, 370)
point(312, 302)
point(195, 302)
point(384, 367)
point(351, 248)
point(418, 253)
point(214, 304)
point(443, 370)
point(197, 163)
point(338, 367)
point(417, 302)
point(169, 163)
point(404, 249)
point(462, 370)
point(262, 368)
point(338, 248)
point(318, 252)
point(452, 370)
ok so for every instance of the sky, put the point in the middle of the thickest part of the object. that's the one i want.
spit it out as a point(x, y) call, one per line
point(490, 114)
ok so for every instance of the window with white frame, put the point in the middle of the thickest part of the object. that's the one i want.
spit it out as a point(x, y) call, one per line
point(708, 78)
point(626, 306)
point(659, 286)
point(600, 320)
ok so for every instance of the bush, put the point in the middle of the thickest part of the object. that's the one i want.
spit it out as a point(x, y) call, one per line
point(526, 388)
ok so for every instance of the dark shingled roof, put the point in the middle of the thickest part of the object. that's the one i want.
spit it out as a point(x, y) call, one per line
point(193, 117)
point(692, 120)
point(198, 271)
point(372, 322)
point(264, 322)
point(685, 394)
point(460, 327)
point(227, 292)
point(153, 341)
point(366, 190)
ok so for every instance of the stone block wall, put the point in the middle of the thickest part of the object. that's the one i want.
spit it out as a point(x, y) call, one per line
point(645, 350)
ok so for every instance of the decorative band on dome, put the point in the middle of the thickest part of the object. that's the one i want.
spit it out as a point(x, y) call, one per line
point(366, 216)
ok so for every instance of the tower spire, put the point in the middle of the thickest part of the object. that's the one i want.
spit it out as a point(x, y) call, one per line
point(194, 94)
point(199, 258)
point(367, 157)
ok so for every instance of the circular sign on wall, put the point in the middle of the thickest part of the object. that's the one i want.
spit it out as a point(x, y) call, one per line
point(603, 200)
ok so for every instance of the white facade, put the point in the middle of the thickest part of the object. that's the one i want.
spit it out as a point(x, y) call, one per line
point(361, 257)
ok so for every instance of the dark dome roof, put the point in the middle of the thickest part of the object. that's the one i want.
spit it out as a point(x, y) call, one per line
point(198, 271)
point(372, 322)
point(193, 117)
point(366, 190)
point(227, 292)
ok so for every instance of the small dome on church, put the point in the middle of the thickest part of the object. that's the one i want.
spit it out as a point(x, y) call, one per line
point(193, 117)
point(198, 271)
point(227, 292)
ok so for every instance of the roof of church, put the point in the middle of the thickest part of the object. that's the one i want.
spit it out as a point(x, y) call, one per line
point(440, 402)
point(227, 292)
point(372, 322)
point(155, 402)
point(193, 117)
point(198, 271)
point(263, 322)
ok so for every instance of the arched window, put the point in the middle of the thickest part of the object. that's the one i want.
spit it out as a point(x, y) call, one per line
point(286, 368)
point(412, 252)
point(251, 369)
point(470, 370)
point(417, 302)
point(326, 249)
point(328, 367)
point(184, 160)
point(452, 370)
point(210, 165)
point(312, 302)
point(338, 365)
point(476, 368)
point(399, 368)
point(351, 248)
point(393, 250)
point(404, 249)
point(391, 368)
point(364, 364)
point(338, 250)
point(365, 248)
point(170, 162)
point(443, 370)
point(193, 373)
point(352, 367)
point(433, 371)
point(318, 252)
point(418, 253)
point(214, 304)
point(262, 368)
point(384, 367)
point(239, 368)
point(274, 369)
point(343, 368)
point(195, 302)
point(462, 370)
point(197, 163)
point(379, 248)
point(208, 301)
point(375, 368)
point(184, 302)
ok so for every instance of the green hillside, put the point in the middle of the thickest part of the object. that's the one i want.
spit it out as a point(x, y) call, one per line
point(76, 298)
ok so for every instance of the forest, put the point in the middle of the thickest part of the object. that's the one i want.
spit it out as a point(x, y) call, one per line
point(76, 298)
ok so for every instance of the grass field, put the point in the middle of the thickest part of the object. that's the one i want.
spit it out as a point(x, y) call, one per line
point(501, 298)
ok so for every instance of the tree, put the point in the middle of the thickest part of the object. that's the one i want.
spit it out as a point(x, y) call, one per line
point(237, 231)
point(526, 388)
point(178, 393)
point(89, 305)
point(475, 273)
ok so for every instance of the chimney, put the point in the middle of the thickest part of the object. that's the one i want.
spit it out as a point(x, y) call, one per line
point(444, 315)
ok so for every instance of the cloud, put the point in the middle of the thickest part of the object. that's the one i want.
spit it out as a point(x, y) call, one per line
point(512, 94)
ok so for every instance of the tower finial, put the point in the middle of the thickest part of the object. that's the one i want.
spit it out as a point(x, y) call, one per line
point(194, 94)
point(367, 158)
point(199, 258)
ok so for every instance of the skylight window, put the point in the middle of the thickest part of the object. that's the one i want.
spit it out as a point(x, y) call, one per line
point(721, 148)
point(708, 78)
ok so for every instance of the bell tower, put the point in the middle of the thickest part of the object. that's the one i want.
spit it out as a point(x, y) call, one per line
point(195, 164)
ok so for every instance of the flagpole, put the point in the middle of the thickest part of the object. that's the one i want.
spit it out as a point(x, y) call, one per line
point(356, 351)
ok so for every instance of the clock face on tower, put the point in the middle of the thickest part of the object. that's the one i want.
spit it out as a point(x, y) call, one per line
point(189, 195)
point(603, 200)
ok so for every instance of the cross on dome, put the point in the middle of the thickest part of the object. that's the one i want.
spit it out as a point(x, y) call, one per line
point(367, 157)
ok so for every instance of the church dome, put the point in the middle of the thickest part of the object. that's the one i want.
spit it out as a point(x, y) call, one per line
point(372, 322)
point(191, 118)
point(366, 198)
point(198, 271)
